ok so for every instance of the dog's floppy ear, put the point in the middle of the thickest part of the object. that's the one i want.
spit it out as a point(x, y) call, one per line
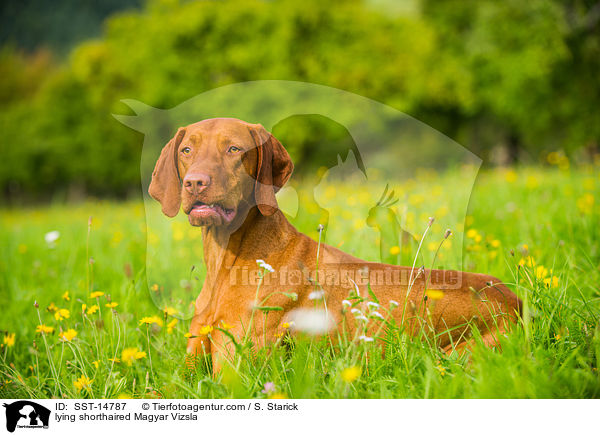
point(165, 186)
point(273, 169)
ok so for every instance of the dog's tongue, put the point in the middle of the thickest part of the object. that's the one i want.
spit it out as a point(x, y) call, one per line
point(203, 211)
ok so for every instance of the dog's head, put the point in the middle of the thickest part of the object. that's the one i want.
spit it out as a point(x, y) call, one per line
point(216, 169)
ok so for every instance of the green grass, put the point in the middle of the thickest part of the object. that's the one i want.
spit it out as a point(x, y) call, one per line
point(544, 214)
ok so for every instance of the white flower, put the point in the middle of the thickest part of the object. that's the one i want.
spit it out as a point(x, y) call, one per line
point(378, 315)
point(311, 321)
point(365, 338)
point(316, 295)
point(356, 311)
point(362, 317)
point(51, 238)
point(266, 266)
point(373, 305)
point(346, 303)
point(393, 303)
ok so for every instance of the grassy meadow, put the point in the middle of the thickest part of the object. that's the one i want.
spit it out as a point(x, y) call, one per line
point(83, 317)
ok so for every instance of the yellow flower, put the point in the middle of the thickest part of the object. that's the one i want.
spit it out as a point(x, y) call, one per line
point(585, 204)
point(170, 311)
point(285, 325)
point(83, 307)
point(541, 272)
point(395, 250)
point(187, 335)
point(551, 282)
point(527, 261)
point(149, 320)
point(130, 354)
point(68, 335)
point(434, 295)
point(83, 383)
point(154, 287)
point(9, 340)
point(350, 374)
point(205, 330)
point(115, 360)
point(91, 310)
point(52, 308)
point(111, 304)
point(510, 176)
point(442, 370)
point(225, 325)
point(495, 243)
point(44, 329)
point(124, 396)
point(96, 294)
point(472, 233)
point(61, 314)
point(278, 396)
point(96, 363)
point(171, 325)
point(66, 296)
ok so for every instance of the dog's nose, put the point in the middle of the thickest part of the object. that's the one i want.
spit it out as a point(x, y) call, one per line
point(196, 182)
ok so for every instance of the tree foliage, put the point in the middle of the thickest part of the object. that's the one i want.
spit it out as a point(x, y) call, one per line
point(483, 72)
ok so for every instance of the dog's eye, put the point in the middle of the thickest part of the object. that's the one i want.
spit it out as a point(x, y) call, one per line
point(233, 149)
point(186, 150)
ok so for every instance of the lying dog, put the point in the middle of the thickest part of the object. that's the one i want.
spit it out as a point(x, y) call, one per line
point(224, 174)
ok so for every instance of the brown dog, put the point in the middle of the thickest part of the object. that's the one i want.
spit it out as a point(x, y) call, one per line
point(224, 174)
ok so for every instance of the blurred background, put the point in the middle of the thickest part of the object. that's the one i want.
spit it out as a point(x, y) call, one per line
point(515, 82)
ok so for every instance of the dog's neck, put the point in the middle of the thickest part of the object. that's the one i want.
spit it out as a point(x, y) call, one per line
point(258, 237)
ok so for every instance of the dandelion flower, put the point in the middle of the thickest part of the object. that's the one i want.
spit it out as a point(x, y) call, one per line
point(149, 320)
point(171, 325)
point(43, 329)
point(62, 314)
point(96, 294)
point(68, 335)
point(91, 310)
point(170, 311)
point(83, 383)
point(9, 340)
point(66, 296)
point(111, 304)
point(130, 354)
point(350, 374)
point(205, 330)
point(541, 272)
point(434, 295)
point(188, 335)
